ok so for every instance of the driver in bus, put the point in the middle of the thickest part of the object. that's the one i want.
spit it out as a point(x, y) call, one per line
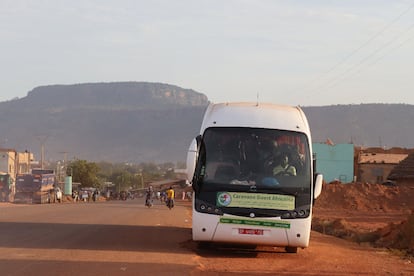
point(284, 168)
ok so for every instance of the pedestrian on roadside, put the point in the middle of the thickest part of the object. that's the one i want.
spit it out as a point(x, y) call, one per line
point(59, 195)
point(170, 197)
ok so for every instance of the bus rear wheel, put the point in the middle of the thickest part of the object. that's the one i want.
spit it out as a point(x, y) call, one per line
point(291, 249)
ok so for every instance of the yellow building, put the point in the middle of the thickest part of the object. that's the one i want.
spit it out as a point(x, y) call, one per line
point(24, 160)
point(11, 164)
point(8, 161)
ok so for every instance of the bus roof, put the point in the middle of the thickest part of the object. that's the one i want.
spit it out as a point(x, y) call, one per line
point(257, 115)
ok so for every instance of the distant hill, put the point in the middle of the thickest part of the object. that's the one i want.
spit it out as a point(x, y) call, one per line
point(155, 122)
point(116, 122)
point(369, 125)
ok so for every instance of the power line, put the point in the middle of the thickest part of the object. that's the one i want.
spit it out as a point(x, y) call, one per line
point(370, 39)
point(366, 60)
point(335, 79)
point(359, 66)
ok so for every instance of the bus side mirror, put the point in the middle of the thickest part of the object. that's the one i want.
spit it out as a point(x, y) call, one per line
point(191, 160)
point(317, 185)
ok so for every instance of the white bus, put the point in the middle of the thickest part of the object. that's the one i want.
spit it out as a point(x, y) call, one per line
point(252, 172)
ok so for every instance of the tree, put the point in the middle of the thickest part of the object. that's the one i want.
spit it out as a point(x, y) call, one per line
point(85, 173)
point(123, 180)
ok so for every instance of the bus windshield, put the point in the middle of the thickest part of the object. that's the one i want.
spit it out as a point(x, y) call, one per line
point(265, 159)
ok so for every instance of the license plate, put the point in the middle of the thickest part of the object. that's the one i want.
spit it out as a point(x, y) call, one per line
point(244, 231)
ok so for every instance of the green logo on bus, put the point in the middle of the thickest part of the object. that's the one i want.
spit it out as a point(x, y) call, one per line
point(223, 199)
point(255, 200)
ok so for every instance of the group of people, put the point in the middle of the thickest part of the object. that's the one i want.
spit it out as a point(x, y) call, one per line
point(84, 195)
point(168, 199)
point(252, 153)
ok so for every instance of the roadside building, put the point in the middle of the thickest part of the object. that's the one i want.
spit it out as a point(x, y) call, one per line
point(403, 173)
point(375, 167)
point(8, 163)
point(180, 173)
point(24, 161)
point(335, 161)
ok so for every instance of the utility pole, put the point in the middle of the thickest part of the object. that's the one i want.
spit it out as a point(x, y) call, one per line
point(42, 156)
point(28, 165)
point(142, 179)
point(65, 157)
point(42, 139)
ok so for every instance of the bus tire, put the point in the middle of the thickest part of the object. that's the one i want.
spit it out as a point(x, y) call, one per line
point(291, 249)
point(204, 245)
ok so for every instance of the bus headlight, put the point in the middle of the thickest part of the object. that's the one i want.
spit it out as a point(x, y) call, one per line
point(204, 207)
point(302, 213)
point(295, 214)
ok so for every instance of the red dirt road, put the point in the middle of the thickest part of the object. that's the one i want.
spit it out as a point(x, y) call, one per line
point(326, 256)
point(125, 238)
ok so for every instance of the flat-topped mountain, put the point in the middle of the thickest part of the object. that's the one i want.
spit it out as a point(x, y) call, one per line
point(155, 122)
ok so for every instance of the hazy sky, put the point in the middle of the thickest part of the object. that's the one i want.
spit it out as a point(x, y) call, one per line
point(291, 52)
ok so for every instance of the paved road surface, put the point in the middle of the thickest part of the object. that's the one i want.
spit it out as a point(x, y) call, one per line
point(126, 238)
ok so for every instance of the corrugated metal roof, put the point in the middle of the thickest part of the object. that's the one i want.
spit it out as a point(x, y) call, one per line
point(384, 158)
point(404, 170)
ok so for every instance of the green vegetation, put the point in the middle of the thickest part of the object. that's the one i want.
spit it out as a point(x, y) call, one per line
point(84, 172)
point(124, 176)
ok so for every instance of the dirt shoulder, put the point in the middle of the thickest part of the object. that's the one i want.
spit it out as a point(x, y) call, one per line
point(374, 214)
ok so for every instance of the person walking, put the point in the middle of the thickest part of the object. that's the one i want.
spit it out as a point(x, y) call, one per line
point(149, 197)
point(170, 198)
point(58, 195)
